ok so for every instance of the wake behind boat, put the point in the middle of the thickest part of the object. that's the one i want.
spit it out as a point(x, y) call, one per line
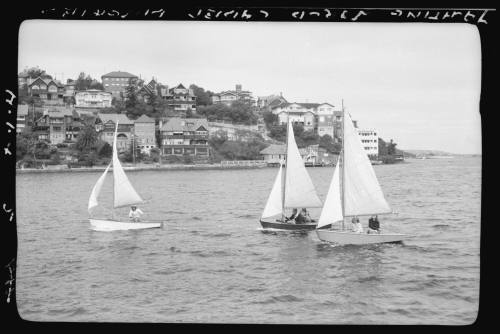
point(124, 195)
point(292, 189)
point(354, 191)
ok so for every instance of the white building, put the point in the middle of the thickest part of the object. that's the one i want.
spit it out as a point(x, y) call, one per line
point(93, 98)
point(369, 140)
point(297, 113)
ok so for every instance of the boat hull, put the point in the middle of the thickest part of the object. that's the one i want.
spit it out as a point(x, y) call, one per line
point(352, 238)
point(113, 225)
point(288, 226)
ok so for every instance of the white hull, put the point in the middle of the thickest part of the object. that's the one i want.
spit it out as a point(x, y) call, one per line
point(113, 225)
point(352, 238)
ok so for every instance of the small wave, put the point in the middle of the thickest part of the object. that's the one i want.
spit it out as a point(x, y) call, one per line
point(199, 253)
point(163, 272)
point(281, 299)
point(245, 216)
point(251, 290)
point(195, 218)
point(369, 279)
point(218, 235)
point(173, 249)
point(441, 226)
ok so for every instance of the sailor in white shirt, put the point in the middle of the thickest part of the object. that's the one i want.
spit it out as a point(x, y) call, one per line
point(356, 225)
point(135, 213)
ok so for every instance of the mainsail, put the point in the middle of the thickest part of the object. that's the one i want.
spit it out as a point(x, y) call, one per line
point(273, 205)
point(124, 193)
point(332, 211)
point(362, 192)
point(299, 189)
point(97, 189)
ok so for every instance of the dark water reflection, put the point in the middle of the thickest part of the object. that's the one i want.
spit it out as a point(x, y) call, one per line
point(213, 263)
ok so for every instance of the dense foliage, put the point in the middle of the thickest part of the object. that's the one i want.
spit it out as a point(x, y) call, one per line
point(238, 112)
point(224, 149)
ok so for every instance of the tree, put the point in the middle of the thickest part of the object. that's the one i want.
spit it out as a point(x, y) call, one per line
point(203, 98)
point(270, 119)
point(87, 138)
point(391, 148)
point(329, 144)
point(105, 151)
point(35, 72)
point(131, 94)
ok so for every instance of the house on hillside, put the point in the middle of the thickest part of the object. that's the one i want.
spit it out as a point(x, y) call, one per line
point(297, 113)
point(93, 98)
point(144, 130)
point(49, 91)
point(229, 96)
point(116, 82)
point(180, 99)
point(185, 136)
point(106, 127)
point(22, 118)
point(266, 103)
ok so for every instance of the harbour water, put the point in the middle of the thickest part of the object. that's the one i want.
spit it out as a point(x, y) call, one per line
point(212, 263)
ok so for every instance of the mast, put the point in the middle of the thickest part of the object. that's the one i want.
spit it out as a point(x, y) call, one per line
point(343, 165)
point(284, 173)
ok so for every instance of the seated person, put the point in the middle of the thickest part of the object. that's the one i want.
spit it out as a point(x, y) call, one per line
point(356, 225)
point(135, 213)
point(300, 219)
point(305, 213)
point(292, 216)
point(373, 225)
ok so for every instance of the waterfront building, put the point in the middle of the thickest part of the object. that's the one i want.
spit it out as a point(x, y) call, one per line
point(180, 99)
point(275, 153)
point(22, 116)
point(49, 91)
point(144, 130)
point(56, 125)
point(116, 82)
point(369, 140)
point(229, 96)
point(93, 98)
point(106, 127)
point(185, 136)
point(325, 118)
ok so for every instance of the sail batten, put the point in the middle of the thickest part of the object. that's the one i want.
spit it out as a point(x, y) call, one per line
point(299, 189)
point(124, 192)
point(273, 205)
point(362, 192)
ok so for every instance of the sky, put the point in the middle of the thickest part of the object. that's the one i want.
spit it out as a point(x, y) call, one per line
point(416, 83)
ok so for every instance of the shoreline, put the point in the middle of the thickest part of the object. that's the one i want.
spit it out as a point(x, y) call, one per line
point(139, 168)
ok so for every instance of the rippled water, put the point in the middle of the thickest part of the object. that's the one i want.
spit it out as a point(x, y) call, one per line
point(213, 263)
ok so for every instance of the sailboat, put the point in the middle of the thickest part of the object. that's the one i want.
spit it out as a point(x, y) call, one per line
point(292, 188)
point(354, 191)
point(124, 195)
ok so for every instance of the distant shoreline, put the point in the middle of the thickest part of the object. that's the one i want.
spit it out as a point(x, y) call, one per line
point(138, 168)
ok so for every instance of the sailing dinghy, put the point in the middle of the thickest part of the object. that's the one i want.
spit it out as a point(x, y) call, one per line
point(292, 188)
point(123, 195)
point(354, 191)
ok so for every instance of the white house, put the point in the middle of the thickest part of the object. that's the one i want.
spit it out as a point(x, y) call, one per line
point(93, 98)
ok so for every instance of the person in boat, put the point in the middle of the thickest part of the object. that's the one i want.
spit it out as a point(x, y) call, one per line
point(373, 225)
point(356, 225)
point(135, 213)
point(305, 214)
point(293, 216)
point(301, 218)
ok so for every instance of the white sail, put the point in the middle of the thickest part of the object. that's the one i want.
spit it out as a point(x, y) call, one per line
point(332, 210)
point(124, 193)
point(274, 202)
point(299, 189)
point(97, 189)
point(362, 192)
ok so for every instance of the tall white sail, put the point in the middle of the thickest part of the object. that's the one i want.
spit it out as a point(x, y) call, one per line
point(332, 210)
point(124, 193)
point(274, 202)
point(362, 192)
point(299, 189)
point(97, 189)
